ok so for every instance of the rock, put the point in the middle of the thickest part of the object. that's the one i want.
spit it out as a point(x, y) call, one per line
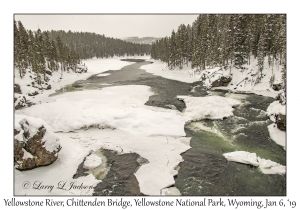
point(33, 94)
point(20, 102)
point(35, 144)
point(223, 81)
point(48, 72)
point(17, 89)
point(280, 121)
point(48, 87)
point(277, 87)
point(81, 69)
point(76, 85)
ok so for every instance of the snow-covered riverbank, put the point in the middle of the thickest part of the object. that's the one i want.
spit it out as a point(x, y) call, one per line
point(94, 66)
point(244, 80)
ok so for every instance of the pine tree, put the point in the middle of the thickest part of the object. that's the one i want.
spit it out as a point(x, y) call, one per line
point(23, 49)
point(172, 51)
point(17, 48)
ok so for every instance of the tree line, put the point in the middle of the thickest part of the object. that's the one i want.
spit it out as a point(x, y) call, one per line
point(89, 45)
point(225, 40)
point(38, 52)
point(60, 50)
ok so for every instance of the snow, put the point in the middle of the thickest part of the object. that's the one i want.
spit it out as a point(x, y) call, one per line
point(19, 136)
point(277, 135)
point(26, 154)
point(92, 161)
point(266, 166)
point(210, 107)
point(50, 140)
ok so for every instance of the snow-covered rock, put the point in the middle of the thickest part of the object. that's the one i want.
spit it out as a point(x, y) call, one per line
point(276, 112)
point(277, 135)
point(35, 144)
point(275, 108)
point(81, 69)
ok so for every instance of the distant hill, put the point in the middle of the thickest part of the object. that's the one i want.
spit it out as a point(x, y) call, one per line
point(142, 40)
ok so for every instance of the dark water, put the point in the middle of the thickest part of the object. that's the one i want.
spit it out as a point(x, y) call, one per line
point(204, 171)
point(116, 172)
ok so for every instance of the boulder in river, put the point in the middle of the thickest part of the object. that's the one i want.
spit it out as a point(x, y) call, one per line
point(35, 144)
point(277, 87)
point(280, 121)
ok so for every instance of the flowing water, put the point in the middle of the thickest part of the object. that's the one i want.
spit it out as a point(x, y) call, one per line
point(204, 170)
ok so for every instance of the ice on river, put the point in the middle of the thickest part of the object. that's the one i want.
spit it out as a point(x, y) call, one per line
point(162, 153)
point(242, 157)
point(266, 166)
point(92, 161)
point(154, 133)
point(210, 107)
point(119, 107)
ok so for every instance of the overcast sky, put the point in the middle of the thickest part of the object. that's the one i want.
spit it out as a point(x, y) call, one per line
point(118, 26)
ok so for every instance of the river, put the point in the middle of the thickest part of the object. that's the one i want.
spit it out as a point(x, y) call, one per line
point(204, 170)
